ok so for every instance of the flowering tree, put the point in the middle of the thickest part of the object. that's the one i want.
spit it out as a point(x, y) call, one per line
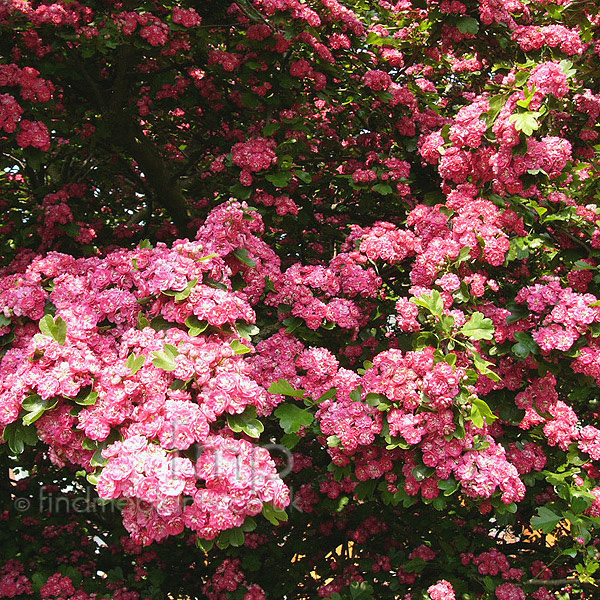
point(300, 299)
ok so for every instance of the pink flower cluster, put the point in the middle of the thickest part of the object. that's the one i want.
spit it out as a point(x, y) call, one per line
point(106, 305)
point(353, 422)
point(442, 590)
point(237, 476)
point(231, 228)
point(256, 154)
point(34, 134)
point(57, 586)
point(481, 472)
point(284, 205)
point(313, 292)
point(187, 17)
point(561, 315)
point(32, 86)
point(549, 78)
point(13, 581)
point(468, 128)
point(534, 37)
point(384, 241)
point(476, 224)
point(151, 28)
point(229, 577)
point(10, 113)
point(412, 381)
point(229, 61)
point(377, 80)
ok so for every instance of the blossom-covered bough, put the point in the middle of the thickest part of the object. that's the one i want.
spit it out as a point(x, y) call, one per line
point(300, 299)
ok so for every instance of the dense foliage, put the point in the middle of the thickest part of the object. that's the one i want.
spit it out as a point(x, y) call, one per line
point(300, 299)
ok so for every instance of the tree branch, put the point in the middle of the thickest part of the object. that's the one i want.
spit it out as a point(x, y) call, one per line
point(166, 190)
point(558, 582)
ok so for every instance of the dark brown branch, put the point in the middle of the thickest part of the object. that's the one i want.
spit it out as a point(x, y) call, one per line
point(254, 14)
point(166, 189)
point(120, 87)
point(558, 583)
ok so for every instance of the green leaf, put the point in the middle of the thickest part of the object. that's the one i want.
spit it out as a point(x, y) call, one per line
point(421, 472)
point(240, 191)
point(329, 394)
point(246, 422)
point(527, 121)
point(518, 312)
point(496, 105)
point(240, 348)
point(365, 489)
point(250, 100)
point(361, 591)
point(161, 324)
point(86, 397)
point(145, 244)
point(567, 68)
point(303, 176)
point(97, 459)
point(578, 265)
point(450, 359)
point(55, 328)
point(356, 395)
point(165, 360)
point(292, 418)
point(92, 478)
point(236, 537)
point(476, 416)
point(34, 403)
point(378, 400)
point(383, 188)
point(248, 525)
point(376, 40)
point(478, 327)
point(251, 562)
point(205, 545)
point(279, 180)
point(448, 486)
point(447, 322)
point(4, 321)
point(480, 411)
point(416, 565)
point(432, 302)
point(39, 580)
point(242, 255)
point(88, 444)
point(36, 407)
point(270, 129)
point(290, 440)
point(525, 345)
point(292, 323)
point(247, 330)
point(546, 520)
point(195, 325)
point(142, 322)
point(179, 296)
point(483, 366)
point(272, 514)
point(468, 25)
point(285, 388)
point(135, 363)
point(580, 501)
point(17, 435)
point(171, 349)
